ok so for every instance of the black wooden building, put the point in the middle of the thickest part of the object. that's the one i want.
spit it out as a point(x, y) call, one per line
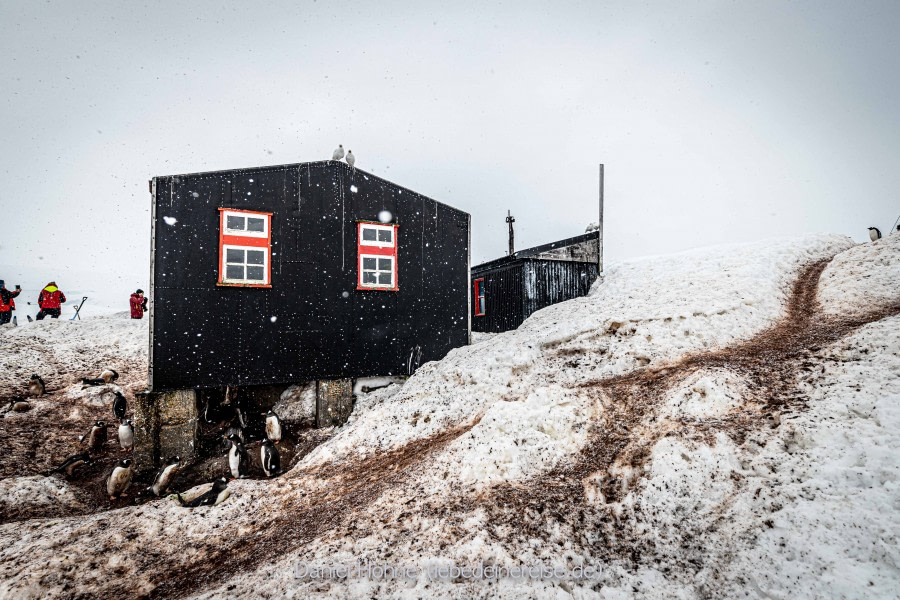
point(299, 272)
point(507, 290)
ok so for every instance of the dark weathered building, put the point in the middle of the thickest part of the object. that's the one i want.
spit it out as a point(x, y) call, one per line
point(507, 290)
point(301, 272)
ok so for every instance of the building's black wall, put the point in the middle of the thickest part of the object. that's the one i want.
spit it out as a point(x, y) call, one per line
point(550, 281)
point(515, 289)
point(204, 335)
point(503, 298)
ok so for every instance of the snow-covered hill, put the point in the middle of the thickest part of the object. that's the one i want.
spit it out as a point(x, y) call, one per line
point(718, 423)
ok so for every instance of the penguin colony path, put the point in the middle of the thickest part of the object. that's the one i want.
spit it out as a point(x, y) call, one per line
point(631, 425)
point(621, 438)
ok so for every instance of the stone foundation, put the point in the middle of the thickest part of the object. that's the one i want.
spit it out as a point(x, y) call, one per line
point(334, 402)
point(165, 425)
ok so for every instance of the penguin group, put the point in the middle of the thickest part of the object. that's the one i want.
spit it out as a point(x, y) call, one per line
point(269, 457)
point(36, 388)
point(95, 439)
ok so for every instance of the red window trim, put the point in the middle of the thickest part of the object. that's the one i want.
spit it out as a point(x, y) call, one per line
point(478, 283)
point(243, 240)
point(362, 248)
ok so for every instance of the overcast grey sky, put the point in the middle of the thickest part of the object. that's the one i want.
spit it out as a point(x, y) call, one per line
point(717, 121)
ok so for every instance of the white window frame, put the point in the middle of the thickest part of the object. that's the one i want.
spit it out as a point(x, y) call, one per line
point(243, 232)
point(377, 271)
point(265, 265)
point(376, 243)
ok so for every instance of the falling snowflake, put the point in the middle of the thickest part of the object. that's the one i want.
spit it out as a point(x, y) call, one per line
point(170, 220)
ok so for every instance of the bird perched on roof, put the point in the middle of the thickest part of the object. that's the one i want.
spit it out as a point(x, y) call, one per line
point(874, 233)
point(338, 153)
point(351, 160)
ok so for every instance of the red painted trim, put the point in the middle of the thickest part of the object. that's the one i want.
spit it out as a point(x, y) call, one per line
point(241, 240)
point(252, 212)
point(477, 284)
point(362, 248)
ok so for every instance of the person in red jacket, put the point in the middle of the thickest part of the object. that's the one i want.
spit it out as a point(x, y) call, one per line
point(49, 300)
point(7, 304)
point(138, 305)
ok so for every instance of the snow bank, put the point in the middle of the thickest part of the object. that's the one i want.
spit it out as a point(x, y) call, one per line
point(647, 311)
point(804, 505)
point(864, 278)
point(63, 351)
point(25, 497)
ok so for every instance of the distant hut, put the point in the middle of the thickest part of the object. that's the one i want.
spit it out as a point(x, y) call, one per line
point(507, 290)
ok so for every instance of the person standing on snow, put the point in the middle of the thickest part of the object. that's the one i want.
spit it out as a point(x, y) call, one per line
point(49, 300)
point(138, 305)
point(7, 304)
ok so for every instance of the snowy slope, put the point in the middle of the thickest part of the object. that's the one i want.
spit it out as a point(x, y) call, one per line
point(62, 351)
point(698, 426)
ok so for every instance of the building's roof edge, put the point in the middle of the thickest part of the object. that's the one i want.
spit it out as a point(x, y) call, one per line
point(323, 163)
point(530, 253)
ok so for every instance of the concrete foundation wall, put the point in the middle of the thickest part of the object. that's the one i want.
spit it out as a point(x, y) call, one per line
point(165, 425)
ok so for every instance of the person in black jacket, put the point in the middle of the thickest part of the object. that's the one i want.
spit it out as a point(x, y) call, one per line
point(7, 304)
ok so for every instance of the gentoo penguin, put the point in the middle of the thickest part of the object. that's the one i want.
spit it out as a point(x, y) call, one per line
point(126, 434)
point(874, 233)
point(18, 404)
point(233, 430)
point(71, 464)
point(96, 437)
point(338, 154)
point(119, 480)
point(216, 495)
point(37, 387)
point(107, 376)
point(271, 461)
point(238, 459)
point(351, 160)
point(120, 406)
point(273, 426)
point(164, 477)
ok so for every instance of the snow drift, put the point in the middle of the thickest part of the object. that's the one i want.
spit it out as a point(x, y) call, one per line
point(721, 422)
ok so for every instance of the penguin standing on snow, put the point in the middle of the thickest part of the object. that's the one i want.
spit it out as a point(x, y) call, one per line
point(107, 376)
point(270, 459)
point(238, 459)
point(120, 406)
point(120, 479)
point(126, 434)
point(874, 233)
point(96, 437)
point(72, 464)
point(165, 476)
point(36, 387)
point(273, 426)
point(216, 495)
